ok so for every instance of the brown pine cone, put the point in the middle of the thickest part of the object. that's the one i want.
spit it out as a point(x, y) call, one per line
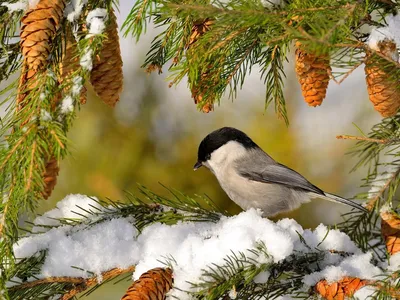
point(153, 284)
point(39, 27)
point(390, 228)
point(313, 75)
point(346, 287)
point(106, 76)
point(199, 28)
point(50, 177)
point(384, 92)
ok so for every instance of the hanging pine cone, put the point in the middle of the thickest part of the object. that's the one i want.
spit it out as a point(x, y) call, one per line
point(153, 284)
point(70, 63)
point(50, 177)
point(383, 92)
point(313, 75)
point(199, 28)
point(39, 27)
point(390, 228)
point(197, 94)
point(106, 76)
point(345, 287)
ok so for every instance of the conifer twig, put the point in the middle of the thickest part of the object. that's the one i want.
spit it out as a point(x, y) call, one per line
point(361, 138)
point(80, 284)
point(345, 75)
point(371, 203)
point(92, 281)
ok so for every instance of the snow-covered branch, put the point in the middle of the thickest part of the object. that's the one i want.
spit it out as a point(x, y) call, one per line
point(243, 255)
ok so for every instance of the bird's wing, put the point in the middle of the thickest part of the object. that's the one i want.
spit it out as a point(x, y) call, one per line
point(263, 169)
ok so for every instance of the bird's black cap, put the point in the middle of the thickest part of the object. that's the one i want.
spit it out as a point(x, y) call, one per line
point(219, 138)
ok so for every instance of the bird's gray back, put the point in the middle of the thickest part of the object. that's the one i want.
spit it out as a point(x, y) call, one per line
point(259, 166)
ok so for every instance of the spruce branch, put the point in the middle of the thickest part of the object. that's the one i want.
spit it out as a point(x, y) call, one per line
point(142, 211)
point(68, 287)
point(38, 120)
point(207, 61)
point(273, 73)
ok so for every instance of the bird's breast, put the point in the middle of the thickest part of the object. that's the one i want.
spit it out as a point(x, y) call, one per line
point(271, 198)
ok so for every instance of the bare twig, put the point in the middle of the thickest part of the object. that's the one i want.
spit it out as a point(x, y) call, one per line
point(362, 138)
point(80, 284)
point(346, 74)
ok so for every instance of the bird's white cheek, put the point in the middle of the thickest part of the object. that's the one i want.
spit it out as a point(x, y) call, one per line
point(208, 166)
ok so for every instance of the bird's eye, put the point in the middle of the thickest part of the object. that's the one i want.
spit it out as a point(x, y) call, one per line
point(208, 156)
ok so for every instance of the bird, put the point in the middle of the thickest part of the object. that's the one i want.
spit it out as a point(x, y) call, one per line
point(253, 179)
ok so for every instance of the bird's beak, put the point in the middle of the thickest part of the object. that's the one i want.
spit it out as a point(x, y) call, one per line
point(197, 165)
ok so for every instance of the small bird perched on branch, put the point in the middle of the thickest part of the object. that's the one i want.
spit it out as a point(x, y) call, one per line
point(253, 179)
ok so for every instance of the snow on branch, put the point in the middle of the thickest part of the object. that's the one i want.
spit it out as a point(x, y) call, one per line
point(209, 253)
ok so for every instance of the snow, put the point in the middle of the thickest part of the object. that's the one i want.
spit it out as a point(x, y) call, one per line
point(390, 32)
point(357, 265)
point(77, 85)
point(20, 5)
point(95, 20)
point(262, 277)
point(86, 60)
point(394, 27)
point(394, 264)
point(232, 294)
point(114, 239)
point(364, 293)
point(33, 3)
point(386, 208)
point(271, 3)
point(17, 6)
point(67, 209)
point(380, 181)
point(190, 247)
point(45, 116)
point(67, 105)
point(74, 9)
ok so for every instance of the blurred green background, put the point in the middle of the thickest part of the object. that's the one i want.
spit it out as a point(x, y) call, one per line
point(152, 136)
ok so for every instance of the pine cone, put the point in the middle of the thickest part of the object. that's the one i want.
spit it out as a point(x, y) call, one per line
point(39, 27)
point(313, 75)
point(390, 228)
point(383, 92)
point(107, 77)
point(50, 177)
point(153, 284)
point(199, 28)
point(70, 62)
point(345, 287)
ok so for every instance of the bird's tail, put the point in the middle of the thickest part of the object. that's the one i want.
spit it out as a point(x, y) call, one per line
point(341, 200)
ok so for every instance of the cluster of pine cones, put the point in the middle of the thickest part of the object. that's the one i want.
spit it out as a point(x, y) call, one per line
point(313, 73)
point(39, 27)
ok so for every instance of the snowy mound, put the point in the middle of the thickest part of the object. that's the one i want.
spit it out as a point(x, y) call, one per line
point(190, 247)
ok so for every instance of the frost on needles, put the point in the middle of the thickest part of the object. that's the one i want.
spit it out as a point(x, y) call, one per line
point(83, 237)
